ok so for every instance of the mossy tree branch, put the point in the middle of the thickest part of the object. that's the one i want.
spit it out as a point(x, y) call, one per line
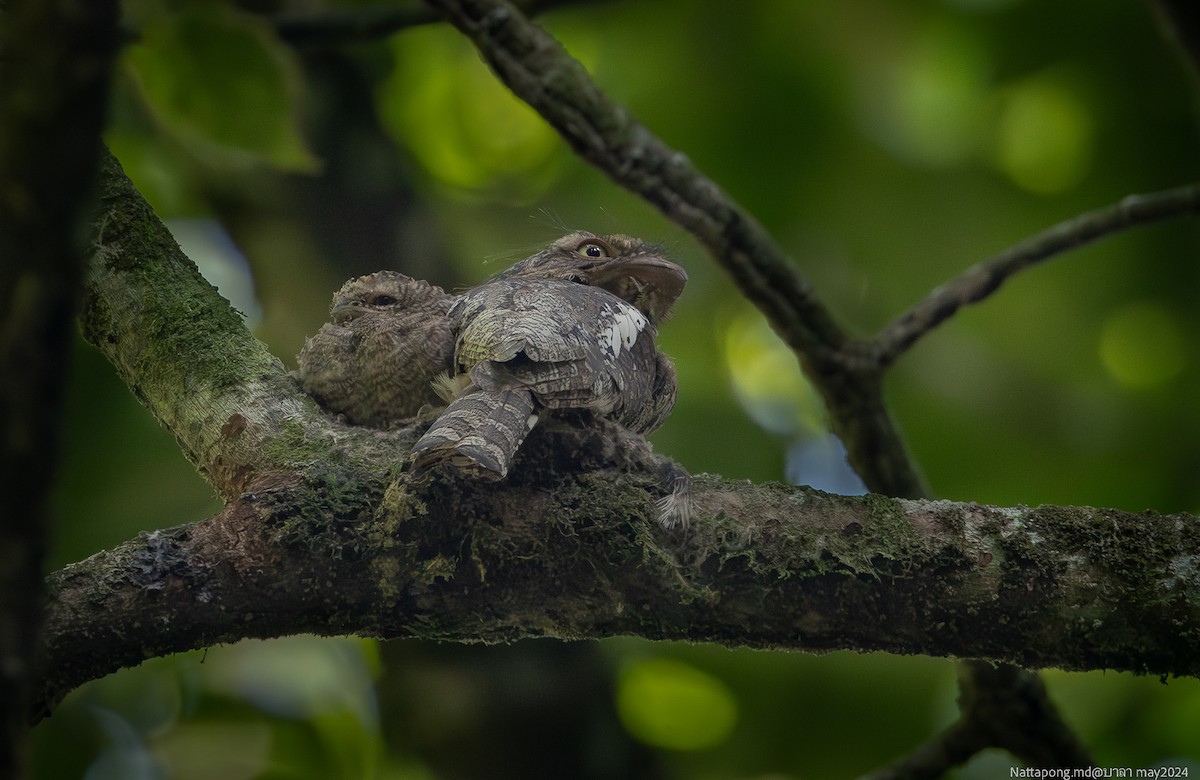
point(335, 549)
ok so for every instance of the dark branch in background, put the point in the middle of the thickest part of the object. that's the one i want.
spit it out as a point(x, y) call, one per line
point(981, 280)
point(342, 26)
point(993, 699)
point(537, 69)
point(55, 59)
point(1180, 22)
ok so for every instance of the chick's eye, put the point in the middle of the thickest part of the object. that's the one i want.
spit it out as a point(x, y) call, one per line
point(380, 299)
point(591, 249)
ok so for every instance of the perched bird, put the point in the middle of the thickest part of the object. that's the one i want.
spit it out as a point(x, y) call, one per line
point(388, 340)
point(571, 327)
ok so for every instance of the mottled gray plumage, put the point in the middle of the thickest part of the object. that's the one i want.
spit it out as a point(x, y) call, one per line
point(571, 327)
point(388, 340)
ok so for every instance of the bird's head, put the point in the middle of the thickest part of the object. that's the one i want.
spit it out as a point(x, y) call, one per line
point(630, 269)
point(382, 291)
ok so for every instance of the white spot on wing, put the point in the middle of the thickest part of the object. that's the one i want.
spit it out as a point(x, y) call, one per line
point(630, 322)
point(626, 323)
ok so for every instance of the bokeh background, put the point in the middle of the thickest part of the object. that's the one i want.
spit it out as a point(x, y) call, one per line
point(887, 145)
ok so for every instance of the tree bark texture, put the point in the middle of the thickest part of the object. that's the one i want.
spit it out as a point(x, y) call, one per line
point(337, 550)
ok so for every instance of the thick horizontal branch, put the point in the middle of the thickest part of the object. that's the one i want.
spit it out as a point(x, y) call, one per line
point(762, 566)
point(981, 280)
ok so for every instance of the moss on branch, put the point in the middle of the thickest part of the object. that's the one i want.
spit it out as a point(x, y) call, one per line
point(579, 555)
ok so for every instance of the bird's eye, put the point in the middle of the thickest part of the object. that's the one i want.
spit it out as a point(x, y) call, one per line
point(380, 299)
point(592, 249)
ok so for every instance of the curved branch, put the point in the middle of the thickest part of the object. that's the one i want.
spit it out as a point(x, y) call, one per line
point(336, 551)
point(186, 354)
point(981, 280)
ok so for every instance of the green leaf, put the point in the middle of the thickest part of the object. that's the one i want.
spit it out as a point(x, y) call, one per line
point(223, 85)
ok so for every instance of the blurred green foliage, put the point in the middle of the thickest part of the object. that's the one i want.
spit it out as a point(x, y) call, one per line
point(670, 704)
point(221, 83)
point(886, 145)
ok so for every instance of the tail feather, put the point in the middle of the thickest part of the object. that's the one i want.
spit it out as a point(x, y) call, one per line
point(479, 432)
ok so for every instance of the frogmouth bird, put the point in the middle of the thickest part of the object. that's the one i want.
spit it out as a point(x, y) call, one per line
point(389, 339)
point(571, 327)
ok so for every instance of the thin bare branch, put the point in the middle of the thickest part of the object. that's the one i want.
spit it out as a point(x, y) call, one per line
point(541, 73)
point(981, 280)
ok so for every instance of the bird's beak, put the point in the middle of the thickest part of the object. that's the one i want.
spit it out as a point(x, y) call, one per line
point(635, 278)
point(346, 312)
